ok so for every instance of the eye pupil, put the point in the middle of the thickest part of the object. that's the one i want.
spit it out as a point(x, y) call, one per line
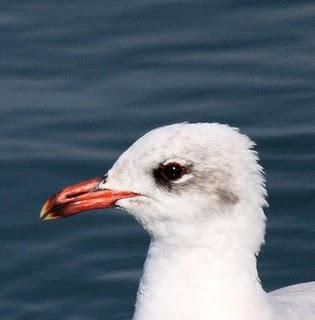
point(173, 171)
point(165, 174)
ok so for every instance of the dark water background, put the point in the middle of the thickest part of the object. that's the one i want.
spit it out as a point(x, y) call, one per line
point(81, 80)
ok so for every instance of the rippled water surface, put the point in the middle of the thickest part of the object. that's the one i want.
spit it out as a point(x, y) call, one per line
point(81, 80)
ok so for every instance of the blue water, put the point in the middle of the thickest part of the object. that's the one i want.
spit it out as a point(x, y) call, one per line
point(81, 80)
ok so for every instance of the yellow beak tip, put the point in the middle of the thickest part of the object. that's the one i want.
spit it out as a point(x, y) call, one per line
point(45, 214)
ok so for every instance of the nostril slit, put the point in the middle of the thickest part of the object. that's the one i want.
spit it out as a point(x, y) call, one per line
point(74, 195)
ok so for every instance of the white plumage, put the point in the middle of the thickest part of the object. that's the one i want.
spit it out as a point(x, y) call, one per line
point(206, 227)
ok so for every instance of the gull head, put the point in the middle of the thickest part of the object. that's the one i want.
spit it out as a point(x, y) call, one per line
point(177, 180)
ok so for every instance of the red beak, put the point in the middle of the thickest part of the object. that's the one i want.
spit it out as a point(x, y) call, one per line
point(81, 197)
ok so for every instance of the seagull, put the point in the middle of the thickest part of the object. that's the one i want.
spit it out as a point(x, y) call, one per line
point(199, 191)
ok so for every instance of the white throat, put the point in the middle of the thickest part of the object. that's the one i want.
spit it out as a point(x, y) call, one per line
point(210, 274)
point(206, 225)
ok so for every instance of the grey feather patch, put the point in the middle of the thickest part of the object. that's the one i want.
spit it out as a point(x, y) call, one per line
point(226, 196)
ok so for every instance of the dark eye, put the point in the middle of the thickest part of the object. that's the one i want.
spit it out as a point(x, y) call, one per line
point(167, 173)
point(173, 171)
